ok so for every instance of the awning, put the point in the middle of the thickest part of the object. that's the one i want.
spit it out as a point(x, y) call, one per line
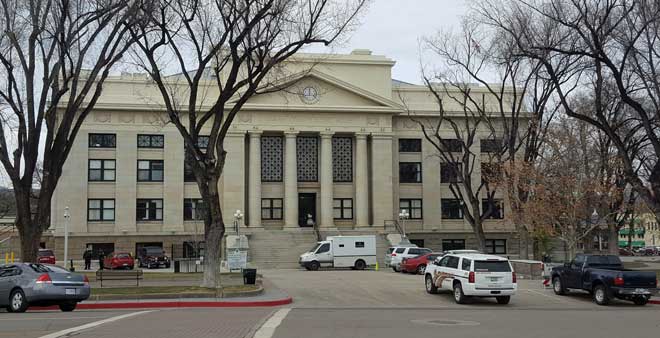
point(637, 231)
point(624, 244)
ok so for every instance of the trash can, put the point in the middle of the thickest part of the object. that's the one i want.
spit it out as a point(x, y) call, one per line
point(177, 266)
point(249, 276)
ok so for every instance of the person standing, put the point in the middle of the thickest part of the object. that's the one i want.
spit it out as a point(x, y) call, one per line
point(87, 257)
point(101, 258)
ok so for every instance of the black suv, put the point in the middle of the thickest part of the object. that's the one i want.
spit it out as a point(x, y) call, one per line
point(153, 257)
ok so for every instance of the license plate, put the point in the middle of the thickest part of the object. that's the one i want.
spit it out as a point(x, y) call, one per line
point(70, 292)
point(640, 291)
point(493, 285)
point(494, 279)
point(125, 264)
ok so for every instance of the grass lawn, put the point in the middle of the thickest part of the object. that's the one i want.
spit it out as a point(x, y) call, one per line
point(147, 290)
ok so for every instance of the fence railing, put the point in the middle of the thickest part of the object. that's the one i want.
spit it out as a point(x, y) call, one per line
point(393, 225)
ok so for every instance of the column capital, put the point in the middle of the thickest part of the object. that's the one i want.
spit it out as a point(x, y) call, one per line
point(236, 133)
point(291, 133)
point(255, 133)
point(327, 134)
point(382, 136)
point(361, 135)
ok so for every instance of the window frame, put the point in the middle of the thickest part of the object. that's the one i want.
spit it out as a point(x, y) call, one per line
point(101, 209)
point(150, 171)
point(499, 203)
point(337, 160)
point(342, 208)
point(453, 145)
point(463, 263)
point(416, 140)
point(444, 175)
point(271, 209)
point(101, 146)
point(491, 246)
point(103, 170)
point(147, 208)
point(454, 200)
point(151, 142)
point(418, 177)
point(410, 207)
point(192, 202)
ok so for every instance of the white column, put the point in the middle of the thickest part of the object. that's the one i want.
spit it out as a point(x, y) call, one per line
point(326, 180)
point(232, 184)
point(361, 207)
point(290, 180)
point(254, 216)
point(381, 175)
point(173, 185)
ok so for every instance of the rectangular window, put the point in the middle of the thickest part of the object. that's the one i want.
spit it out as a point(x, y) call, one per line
point(410, 145)
point(453, 145)
point(102, 140)
point(498, 209)
point(149, 210)
point(496, 246)
point(342, 159)
point(271, 208)
point(491, 145)
point(307, 158)
point(101, 170)
point(465, 264)
point(272, 152)
point(100, 209)
point(359, 244)
point(453, 244)
point(410, 172)
point(342, 208)
point(193, 209)
point(451, 172)
point(150, 141)
point(188, 174)
point(150, 171)
point(412, 206)
point(451, 209)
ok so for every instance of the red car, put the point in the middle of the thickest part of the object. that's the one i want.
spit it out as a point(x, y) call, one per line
point(418, 264)
point(45, 256)
point(119, 260)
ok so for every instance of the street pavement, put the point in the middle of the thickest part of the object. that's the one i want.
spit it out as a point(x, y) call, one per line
point(346, 303)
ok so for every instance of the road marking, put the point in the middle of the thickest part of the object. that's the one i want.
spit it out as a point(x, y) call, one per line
point(555, 298)
point(268, 329)
point(93, 324)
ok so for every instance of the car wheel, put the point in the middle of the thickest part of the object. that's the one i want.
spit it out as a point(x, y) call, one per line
point(503, 299)
point(17, 301)
point(68, 306)
point(394, 269)
point(430, 286)
point(557, 286)
point(167, 266)
point(600, 295)
point(421, 269)
point(640, 300)
point(314, 266)
point(459, 296)
point(360, 265)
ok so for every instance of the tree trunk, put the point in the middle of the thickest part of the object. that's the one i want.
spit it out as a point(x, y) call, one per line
point(523, 243)
point(214, 231)
point(30, 236)
point(479, 234)
point(612, 239)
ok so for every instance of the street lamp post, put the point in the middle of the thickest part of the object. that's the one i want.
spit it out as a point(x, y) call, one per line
point(66, 234)
point(403, 216)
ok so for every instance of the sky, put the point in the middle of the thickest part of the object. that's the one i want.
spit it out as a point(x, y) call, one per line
point(393, 28)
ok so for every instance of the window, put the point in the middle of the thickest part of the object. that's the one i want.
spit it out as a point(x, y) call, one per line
point(418, 251)
point(150, 171)
point(453, 244)
point(413, 206)
point(410, 172)
point(101, 210)
point(498, 209)
point(307, 155)
point(272, 158)
point(496, 246)
point(271, 208)
point(453, 145)
point(452, 262)
point(451, 209)
point(342, 208)
point(188, 174)
point(102, 140)
point(451, 172)
point(149, 210)
point(465, 264)
point(418, 242)
point(492, 266)
point(443, 261)
point(323, 248)
point(101, 170)
point(150, 141)
point(193, 209)
point(342, 159)
point(400, 250)
point(491, 145)
point(410, 145)
point(359, 244)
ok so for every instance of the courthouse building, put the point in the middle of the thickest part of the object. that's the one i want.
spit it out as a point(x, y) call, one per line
point(338, 150)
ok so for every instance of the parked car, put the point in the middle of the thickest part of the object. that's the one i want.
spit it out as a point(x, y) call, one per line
point(462, 251)
point(28, 284)
point(390, 251)
point(153, 257)
point(472, 275)
point(400, 253)
point(357, 252)
point(45, 256)
point(605, 278)
point(648, 251)
point(418, 264)
point(119, 260)
point(625, 252)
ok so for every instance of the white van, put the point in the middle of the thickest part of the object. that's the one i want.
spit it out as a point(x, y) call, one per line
point(356, 252)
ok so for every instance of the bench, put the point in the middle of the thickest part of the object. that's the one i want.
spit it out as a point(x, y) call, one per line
point(135, 275)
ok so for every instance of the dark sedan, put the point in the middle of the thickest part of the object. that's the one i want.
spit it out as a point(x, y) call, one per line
point(26, 284)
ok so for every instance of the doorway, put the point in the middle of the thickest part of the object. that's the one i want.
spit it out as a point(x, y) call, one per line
point(306, 208)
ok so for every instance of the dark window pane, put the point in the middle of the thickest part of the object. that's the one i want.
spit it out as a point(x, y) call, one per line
point(272, 152)
point(307, 155)
point(410, 172)
point(491, 145)
point(342, 159)
point(102, 140)
point(451, 209)
point(450, 172)
point(408, 145)
point(453, 145)
point(498, 209)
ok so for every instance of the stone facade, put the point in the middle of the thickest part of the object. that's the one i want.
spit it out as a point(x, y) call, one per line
point(352, 97)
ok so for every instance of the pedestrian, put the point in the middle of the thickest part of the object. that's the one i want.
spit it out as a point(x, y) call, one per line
point(87, 256)
point(101, 258)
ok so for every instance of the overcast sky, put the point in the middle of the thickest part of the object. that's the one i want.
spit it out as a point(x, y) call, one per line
point(393, 28)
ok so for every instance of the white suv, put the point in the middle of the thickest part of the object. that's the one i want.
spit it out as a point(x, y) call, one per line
point(397, 254)
point(472, 275)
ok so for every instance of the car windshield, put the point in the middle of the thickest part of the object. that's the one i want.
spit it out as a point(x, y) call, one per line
point(492, 266)
point(45, 253)
point(153, 251)
point(389, 250)
point(123, 255)
point(40, 268)
point(316, 246)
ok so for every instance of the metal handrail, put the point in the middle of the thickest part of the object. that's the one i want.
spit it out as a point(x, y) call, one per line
point(394, 223)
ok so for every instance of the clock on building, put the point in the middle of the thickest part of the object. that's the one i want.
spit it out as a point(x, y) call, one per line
point(310, 95)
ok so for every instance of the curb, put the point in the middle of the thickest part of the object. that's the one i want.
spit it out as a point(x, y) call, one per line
point(656, 302)
point(173, 304)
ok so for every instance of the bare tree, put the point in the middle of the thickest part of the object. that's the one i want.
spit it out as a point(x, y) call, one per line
point(54, 57)
point(208, 58)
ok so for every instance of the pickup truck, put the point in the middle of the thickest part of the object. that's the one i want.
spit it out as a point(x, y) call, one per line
point(605, 278)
